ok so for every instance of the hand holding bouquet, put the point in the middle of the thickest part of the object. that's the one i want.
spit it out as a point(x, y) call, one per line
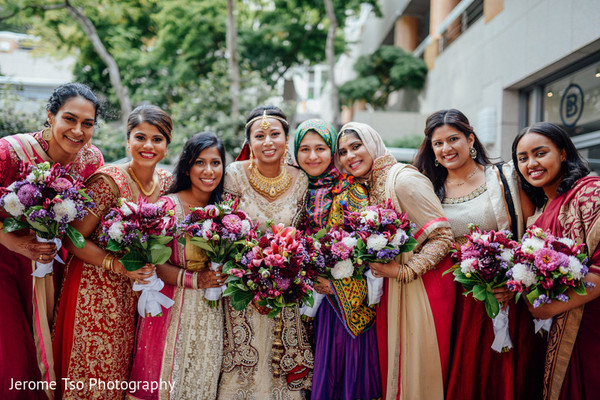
point(273, 271)
point(142, 230)
point(222, 230)
point(46, 199)
point(481, 265)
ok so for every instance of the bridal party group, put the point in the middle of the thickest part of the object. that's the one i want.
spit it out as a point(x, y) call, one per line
point(78, 330)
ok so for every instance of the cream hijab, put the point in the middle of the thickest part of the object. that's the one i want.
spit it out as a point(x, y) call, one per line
point(370, 138)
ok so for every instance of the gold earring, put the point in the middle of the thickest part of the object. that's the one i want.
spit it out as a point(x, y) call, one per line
point(251, 158)
point(166, 154)
point(47, 134)
point(128, 149)
point(436, 162)
point(473, 153)
point(285, 156)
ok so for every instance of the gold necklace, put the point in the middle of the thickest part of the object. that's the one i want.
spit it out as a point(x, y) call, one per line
point(135, 178)
point(270, 187)
point(451, 181)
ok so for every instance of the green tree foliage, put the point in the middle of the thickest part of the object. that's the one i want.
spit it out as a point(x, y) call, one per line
point(386, 70)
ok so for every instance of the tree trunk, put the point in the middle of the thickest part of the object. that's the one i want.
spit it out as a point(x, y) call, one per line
point(113, 69)
point(232, 61)
point(330, 53)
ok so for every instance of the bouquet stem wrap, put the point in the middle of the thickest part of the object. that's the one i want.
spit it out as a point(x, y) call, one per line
point(214, 294)
point(543, 324)
point(43, 269)
point(502, 340)
point(374, 287)
point(312, 311)
point(151, 299)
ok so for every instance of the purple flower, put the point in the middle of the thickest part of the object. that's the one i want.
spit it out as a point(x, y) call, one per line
point(562, 297)
point(543, 299)
point(148, 210)
point(29, 194)
point(61, 185)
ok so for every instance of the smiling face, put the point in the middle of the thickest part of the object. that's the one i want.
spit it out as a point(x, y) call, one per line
point(207, 170)
point(314, 156)
point(451, 147)
point(268, 144)
point(72, 126)
point(353, 155)
point(540, 162)
point(147, 145)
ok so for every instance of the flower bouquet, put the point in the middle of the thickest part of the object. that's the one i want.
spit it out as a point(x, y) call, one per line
point(222, 230)
point(382, 234)
point(274, 271)
point(546, 267)
point(142, 230)
point(46, 199)
point(481, 265)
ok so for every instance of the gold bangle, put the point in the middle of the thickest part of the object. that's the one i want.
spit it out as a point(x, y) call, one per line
point(107, 261)
point(400, 272)
point(112, 264)
point(180, 277)
point(195, 280)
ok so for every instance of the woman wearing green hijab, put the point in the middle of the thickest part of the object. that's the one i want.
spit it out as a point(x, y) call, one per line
point(346, 360)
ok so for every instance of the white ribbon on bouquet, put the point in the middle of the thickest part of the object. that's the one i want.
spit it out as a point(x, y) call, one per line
point(214, 294)
point(312, 311)
point(151, 299)
point(501, 333)
point(43, 269)
point(544, 324)
point(374, 287)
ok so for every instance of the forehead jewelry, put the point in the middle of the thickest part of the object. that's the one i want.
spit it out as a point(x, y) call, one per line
point(264, 123)
point(344, 137)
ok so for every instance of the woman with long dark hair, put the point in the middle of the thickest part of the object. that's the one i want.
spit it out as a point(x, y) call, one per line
point(25, 344)
point(555, 178)
point(95, 323)
point(184, 346)
point(473, 191)
point(265, 358)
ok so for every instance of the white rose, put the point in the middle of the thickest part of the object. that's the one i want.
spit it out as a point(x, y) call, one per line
point(522, 273)
point(115, 232)
point(485, 238)
point(31, 177)
point(317, 245)
point(126, 210)
point(342, 269)
point(507, 255)
point(466, 266)
point(399, 238)
point(368, 216)
point(376, 242)
point(13, 205)
point(567, 241)
point(349, 242)
point(66, 207)
point(206, 232)
point(575, 267)
point(245, 227)
point(531, 245)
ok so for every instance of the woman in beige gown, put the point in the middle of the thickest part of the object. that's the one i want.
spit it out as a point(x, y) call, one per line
point(265, 358)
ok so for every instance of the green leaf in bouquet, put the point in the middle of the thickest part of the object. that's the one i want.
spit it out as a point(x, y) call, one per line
point(241, 299)
point(38, 227)
point(159, 239)
point(202, 243)
point(517, 296)
point(76, 237)
point(480, 292)
point(534, 294)
point(491, 305)
point(230, 290)
point(274, 312)
point(113, 245)
point(309, 299)
point(12, 224)
point(452, 270)
point(580, 289)
point(320, 234)
point(581, 257)
point(410, 245)
point(228, 266)
point(159, 253)
point(133, 260)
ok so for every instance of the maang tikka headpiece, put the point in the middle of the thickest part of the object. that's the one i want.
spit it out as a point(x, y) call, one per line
point(264, 120)
point(264, 123)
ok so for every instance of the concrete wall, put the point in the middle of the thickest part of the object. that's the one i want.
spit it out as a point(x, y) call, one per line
point(484, 68)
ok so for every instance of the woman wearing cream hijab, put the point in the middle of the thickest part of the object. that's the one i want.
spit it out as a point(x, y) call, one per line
point(415, 312)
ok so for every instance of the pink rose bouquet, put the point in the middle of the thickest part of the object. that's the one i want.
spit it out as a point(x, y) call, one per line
point(222, 230)
point(274, 271)
point(143, 231)
point(46, 199)
point(547, 266)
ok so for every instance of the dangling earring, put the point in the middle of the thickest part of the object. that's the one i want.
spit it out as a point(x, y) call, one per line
point(47, 134)
point(285, 156)
point(473, 153)
point(436, 162)
point(166, 154)
point(251, 159)
point(128, 149)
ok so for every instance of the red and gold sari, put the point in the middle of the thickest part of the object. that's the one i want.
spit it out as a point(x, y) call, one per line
point(96, 316)
point(571, 369)
point(28, 302)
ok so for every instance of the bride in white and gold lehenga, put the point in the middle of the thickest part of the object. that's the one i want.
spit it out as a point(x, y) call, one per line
point(265, 358)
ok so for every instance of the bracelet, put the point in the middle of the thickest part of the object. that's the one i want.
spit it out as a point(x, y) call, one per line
point(195, 280)
point(180, 277)
point(400, 272)
point(107, 262)
point(189, 283)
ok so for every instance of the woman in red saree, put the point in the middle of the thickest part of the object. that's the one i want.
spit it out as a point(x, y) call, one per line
point(28, 302)
point(554, 176)
point(415, 312)
point(96, 316)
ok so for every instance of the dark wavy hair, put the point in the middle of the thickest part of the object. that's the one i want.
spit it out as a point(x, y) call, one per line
point(191, 150)
point(63, 93)
point(152, 115)
point(271, 110)
point(425, 158)
point(573, 168)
